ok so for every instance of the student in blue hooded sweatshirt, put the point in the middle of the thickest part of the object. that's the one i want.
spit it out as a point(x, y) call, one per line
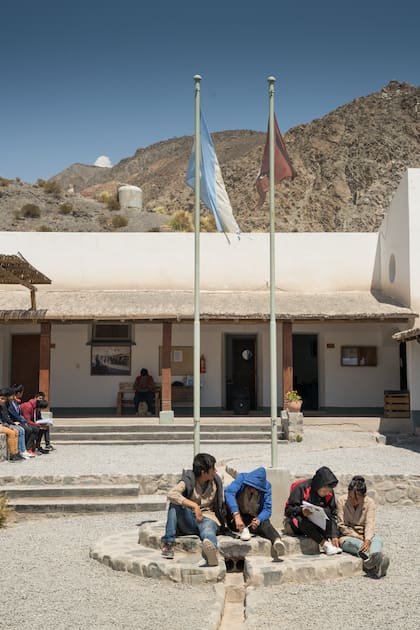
point(248, 500)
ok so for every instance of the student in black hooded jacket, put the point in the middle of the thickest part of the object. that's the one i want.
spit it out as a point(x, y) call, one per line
point(318, 491)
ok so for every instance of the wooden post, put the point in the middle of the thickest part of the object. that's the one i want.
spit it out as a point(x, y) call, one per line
point(166, 366)
point(287, 357)
point(45, 358)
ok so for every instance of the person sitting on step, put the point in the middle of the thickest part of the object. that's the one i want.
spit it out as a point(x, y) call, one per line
point(248, 500)
point(356, 522)
point(317, 492)
point(7, 394)
point(13, 407)
point(31, 411)
point(145, 391)
point(196, 508)
point(9, 430)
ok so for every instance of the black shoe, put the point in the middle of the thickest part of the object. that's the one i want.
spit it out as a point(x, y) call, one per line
point(49, 447)
point(167, 550)
point(42, 451)
point(15, 458)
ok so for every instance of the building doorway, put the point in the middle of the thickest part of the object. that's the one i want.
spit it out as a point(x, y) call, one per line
point(305, 369)
point(403, 366)
point(240, 368)
point(25, 363)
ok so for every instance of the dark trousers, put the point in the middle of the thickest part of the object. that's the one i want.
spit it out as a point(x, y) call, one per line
point(31, 436)
point(302, 526)
point(148, 397)
point(264, 529)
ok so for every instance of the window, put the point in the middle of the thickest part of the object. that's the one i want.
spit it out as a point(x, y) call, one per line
point(358, 356)
point(110, 332)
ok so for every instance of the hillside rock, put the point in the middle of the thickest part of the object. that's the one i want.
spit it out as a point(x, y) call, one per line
point(349, 164)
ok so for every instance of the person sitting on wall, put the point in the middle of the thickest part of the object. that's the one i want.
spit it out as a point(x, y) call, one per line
point(248, 500)
point(196, 508)
point(31, 411)
point(18, 422)
point(8, 429)
point(145, 391)
point(319, 492)
point(356, 522)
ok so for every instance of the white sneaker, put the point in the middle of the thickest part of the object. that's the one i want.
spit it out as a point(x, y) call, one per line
point(25, 455)
point(245, 534)
point(330, 549)
point(30, 454)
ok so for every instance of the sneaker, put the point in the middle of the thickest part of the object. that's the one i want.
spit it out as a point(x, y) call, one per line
point(42, 451)
point(15, 458)
point(49, 447)
point(209, 552)
point(383, 567)
point(330, 549)
point(245, 534)
point(25, 455)
point(30, 453)
point(373, 562)
point(167, 550)
point(277, 549)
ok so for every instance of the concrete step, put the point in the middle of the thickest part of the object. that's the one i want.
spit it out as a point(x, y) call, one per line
point(144, 503)
point(162, 440)
point(156, 428)
point(151, 436)
point(70, 490)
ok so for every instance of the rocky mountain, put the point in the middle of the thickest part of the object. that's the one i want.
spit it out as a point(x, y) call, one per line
point(349, 164)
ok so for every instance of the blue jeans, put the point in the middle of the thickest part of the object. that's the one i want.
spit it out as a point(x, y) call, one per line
point(21, 437)
point(352, 545)
point(181, 520)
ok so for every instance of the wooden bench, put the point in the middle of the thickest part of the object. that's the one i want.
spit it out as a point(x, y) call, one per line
point(125, 398)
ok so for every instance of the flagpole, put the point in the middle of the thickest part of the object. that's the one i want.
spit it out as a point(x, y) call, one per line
point(273, 331)
point(196, 375)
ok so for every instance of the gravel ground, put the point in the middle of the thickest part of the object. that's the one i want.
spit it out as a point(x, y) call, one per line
point(343, 451)
point(48, 581)
point(357, 603)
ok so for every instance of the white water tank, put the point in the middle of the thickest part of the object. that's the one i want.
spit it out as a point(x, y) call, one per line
point(130, 196)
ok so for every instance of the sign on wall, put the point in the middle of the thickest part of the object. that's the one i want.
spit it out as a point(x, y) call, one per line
point(110, 360)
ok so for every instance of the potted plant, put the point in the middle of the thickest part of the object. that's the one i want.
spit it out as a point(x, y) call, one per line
point(292, 401)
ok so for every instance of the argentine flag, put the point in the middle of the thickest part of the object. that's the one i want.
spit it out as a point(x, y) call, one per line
point(212, 188)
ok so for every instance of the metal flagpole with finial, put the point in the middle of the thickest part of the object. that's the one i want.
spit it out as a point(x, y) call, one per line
point(196, 374)
point(273, 330)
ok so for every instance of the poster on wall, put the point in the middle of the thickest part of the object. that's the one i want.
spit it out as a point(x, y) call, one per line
point(106, 360)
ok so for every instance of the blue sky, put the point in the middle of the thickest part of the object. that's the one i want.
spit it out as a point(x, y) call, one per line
point(84, 78)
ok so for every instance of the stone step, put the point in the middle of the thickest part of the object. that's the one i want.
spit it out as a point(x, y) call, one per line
point(163, 440)
point(70, 490)
point(150, 536)
point(144, 503)
point(301, 569)
point(121, 552)
point(158, 436)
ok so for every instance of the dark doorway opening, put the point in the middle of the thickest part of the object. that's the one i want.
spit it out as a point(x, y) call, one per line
point(240, 368)
point(25, 363)
point(305, 369)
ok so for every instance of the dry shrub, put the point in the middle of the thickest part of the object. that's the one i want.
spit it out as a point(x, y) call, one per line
point(207, 223)
point(44, 228)
point(66, 208)
point(52, 188)
point(4, 181)
point(181, 221)
point(113, 204)
point(104, 196)
point(160, 210)
point(30, 211)
point(119, 221)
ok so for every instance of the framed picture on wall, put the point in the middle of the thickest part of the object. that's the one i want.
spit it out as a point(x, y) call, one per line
point(110, 360)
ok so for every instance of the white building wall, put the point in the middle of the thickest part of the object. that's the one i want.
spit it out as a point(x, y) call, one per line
point(304, 262)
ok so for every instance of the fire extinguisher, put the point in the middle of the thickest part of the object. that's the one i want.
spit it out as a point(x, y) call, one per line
point(202, 364)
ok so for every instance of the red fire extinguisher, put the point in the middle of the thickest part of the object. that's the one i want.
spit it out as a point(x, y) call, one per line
point(202, 364)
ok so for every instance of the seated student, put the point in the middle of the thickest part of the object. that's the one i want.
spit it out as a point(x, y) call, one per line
point(356, 522)
point(31, 411)
point(145, 390)
point(7, 394)
point(196, 507)
point(318, 491)
point(248, 500)
point(13, 407)
point(8, 429)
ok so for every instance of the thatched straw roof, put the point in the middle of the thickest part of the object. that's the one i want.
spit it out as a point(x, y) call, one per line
point(215, 305)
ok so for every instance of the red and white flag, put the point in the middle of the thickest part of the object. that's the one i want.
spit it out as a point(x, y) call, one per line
point(282, 165)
